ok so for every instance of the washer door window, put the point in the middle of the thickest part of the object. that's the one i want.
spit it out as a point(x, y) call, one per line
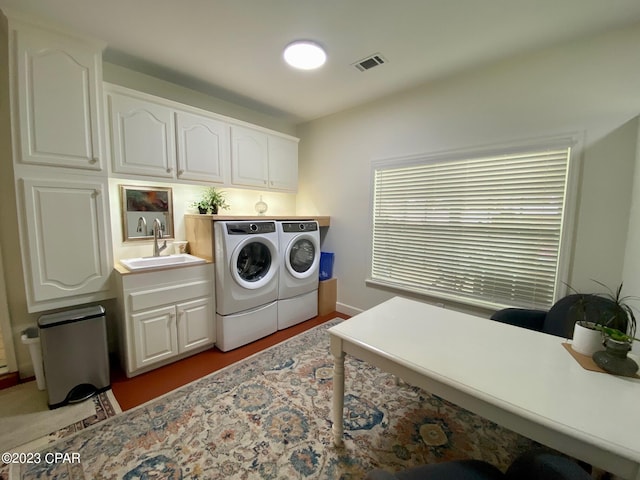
point(301, 257)
point(252, 263)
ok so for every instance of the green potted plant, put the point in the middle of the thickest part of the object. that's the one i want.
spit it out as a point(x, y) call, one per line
point(619, 322)
point(618, 329)
point(212, 200)
point(594, 313)
point(202, 206)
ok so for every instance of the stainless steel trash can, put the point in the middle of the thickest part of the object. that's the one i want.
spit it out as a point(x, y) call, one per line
point(75, 354)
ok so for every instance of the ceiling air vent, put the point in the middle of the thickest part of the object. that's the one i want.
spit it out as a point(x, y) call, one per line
point(370, 62)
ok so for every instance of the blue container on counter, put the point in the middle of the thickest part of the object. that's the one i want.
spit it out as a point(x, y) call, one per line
point(326, 265)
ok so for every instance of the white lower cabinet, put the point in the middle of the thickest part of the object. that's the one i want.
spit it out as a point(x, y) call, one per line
point(64, 238)
point(195, 325)
point(155, 336)
point(165, 315)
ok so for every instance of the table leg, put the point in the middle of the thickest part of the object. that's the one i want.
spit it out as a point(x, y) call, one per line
point(338, 390)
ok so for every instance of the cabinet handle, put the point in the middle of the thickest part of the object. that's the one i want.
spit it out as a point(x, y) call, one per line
point(180, 172)
point(93, 160)
point(169, 170)
point(96, 192)
point(264, 181)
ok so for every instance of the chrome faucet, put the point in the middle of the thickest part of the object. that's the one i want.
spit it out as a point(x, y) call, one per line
point(142, 226)
point(157, 233)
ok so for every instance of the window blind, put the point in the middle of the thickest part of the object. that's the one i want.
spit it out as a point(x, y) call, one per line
point(484, 230)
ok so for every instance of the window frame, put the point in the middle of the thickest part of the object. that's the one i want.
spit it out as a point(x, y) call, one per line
point(573, 141)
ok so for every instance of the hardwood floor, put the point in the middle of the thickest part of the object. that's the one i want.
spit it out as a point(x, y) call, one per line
point(131, 392)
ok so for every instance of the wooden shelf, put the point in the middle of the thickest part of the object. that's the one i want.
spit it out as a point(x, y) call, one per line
point(323, 220)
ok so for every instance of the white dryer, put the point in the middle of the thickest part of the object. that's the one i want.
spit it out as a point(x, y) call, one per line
point(246, 266)
point(300, 262)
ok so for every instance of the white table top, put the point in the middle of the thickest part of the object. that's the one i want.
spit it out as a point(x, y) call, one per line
point(520, 371)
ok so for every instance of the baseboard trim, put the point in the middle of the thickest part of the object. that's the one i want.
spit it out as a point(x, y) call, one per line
point(347, 309)
point(8, 380)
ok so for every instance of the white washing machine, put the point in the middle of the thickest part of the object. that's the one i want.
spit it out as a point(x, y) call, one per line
point(299, 267)
point(247, 264)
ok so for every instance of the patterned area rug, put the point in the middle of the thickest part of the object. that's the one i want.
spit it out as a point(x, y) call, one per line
point(105, 406)
point(268, 417)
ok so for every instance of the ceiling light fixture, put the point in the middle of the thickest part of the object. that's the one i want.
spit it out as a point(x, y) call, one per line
point(305, 55)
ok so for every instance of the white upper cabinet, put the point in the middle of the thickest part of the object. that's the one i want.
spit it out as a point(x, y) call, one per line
point(203, 148)
point(283, 163)
point(264, 160)
point(142, 136)
point(156, 137)
point(249, 157)
point(59, 93)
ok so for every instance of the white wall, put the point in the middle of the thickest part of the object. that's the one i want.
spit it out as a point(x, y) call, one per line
point(591, 86)
point(631, 272)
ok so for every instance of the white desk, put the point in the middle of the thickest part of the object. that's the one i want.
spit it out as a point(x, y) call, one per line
point(523, 380)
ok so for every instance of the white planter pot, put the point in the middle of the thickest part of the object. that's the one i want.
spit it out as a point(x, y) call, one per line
point(586, 340)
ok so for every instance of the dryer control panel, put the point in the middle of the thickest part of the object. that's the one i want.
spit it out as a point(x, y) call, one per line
point(297, 227)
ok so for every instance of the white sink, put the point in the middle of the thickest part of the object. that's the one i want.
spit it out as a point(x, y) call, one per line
point(146, 263)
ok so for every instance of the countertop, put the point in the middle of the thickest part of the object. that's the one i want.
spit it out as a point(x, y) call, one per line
point(122, 270)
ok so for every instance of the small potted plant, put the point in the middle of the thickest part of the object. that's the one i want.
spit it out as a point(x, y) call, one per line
point(202, 206)
point(212, 200)
point(621, 316)
point(609, 334)
point(595, 312)
point(618, 331)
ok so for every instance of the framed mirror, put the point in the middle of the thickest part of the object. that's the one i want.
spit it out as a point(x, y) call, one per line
point(141, 206)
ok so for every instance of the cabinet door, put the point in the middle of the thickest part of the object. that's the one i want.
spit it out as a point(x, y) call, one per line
point(59, 85)
point(283, 164)
point(249, 157)
point(195, 324)
point(203, 148)
point(155, 335)
point(142, 136)
point(65, 250)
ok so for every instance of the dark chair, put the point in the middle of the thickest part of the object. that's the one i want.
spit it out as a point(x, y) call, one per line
point(533, 465)
point(562, 316)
